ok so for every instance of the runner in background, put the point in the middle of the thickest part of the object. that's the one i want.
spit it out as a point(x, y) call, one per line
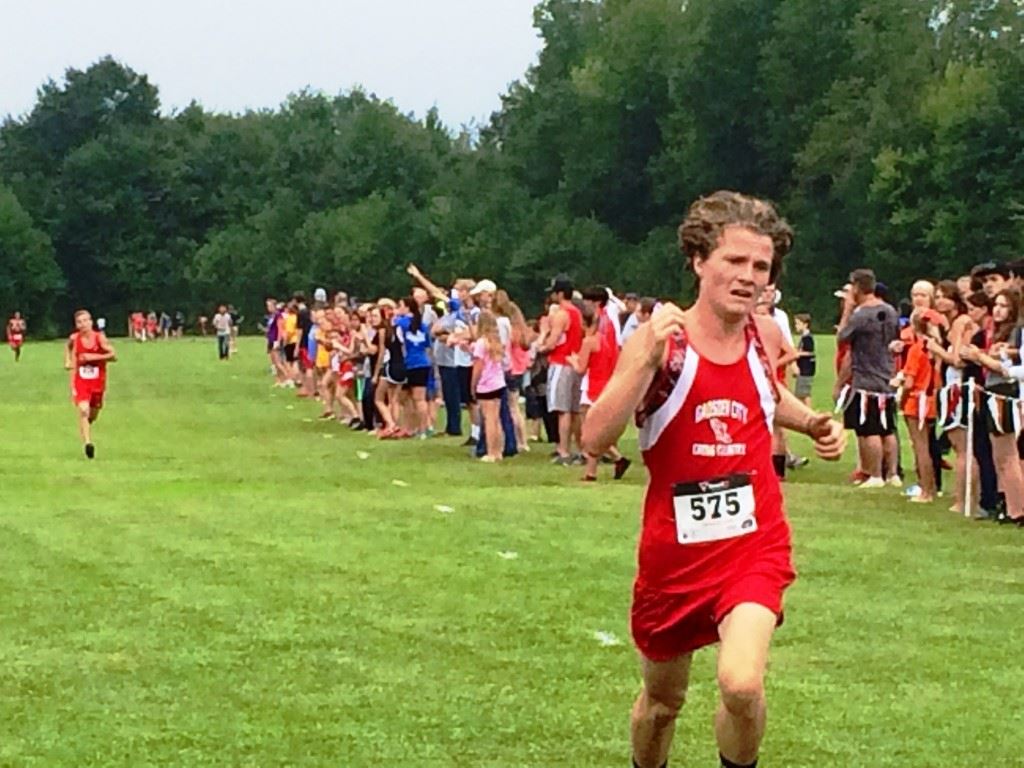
point(16, 334)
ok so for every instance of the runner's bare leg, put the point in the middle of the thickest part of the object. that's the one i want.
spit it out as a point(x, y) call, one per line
point(746, 634)
point(653, 721)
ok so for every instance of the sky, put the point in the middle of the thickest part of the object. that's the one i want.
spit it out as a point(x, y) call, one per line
point(458, 55)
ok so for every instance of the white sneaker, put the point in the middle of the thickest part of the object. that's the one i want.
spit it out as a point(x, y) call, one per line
point(895, 481)
point(873, 482)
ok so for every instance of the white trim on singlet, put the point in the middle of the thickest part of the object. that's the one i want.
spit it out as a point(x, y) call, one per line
point(764, 387)
point(661, 418)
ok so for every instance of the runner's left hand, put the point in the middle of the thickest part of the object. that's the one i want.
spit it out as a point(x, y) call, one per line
point(828, 435)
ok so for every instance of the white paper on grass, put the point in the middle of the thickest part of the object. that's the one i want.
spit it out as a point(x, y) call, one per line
point(362, 455)
point(444, 509)
point(508, 555)
point(400, 483)
point(328, 437)
point(289, 407)
point(606, 639)
point(307, 421)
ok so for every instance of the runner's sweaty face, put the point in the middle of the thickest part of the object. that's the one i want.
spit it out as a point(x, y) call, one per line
point(83, 322)
point(734, 275)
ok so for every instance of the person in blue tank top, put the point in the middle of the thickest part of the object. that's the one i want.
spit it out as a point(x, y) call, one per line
point(416, 342)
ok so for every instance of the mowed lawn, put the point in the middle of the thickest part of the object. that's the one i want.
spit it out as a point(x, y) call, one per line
point(231, 584)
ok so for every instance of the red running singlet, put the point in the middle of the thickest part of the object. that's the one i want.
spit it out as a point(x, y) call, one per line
point(90, 379)
point(714, 532)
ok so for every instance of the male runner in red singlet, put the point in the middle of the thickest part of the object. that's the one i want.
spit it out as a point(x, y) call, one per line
point(16, 334)
point(86, 356)
point(715, 554)
point(561, 336)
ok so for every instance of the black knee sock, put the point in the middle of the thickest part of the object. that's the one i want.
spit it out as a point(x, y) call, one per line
point(726, 763)
point(779, 462)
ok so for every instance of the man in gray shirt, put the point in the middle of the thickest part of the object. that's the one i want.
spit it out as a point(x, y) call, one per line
point(870, 325)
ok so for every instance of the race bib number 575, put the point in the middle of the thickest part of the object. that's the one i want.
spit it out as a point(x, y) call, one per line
point(713, 510)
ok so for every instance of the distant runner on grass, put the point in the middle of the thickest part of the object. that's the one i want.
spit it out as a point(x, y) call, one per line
point(715, 551)
point(86, 356)
point(16, 334)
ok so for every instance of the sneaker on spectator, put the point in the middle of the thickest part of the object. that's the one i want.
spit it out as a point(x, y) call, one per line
point(913, 490)
point(562, 461)
point(857, 477)
point(873, 482)
point(895, 481)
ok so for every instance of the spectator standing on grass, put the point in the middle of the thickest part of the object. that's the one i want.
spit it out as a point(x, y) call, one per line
point(768, 304)
point(561, 336)
point(870, 325)
point(536, 391)
point(595, 363)
point(416, 341)
point(988, 279)
point(917, 383)
point(373, 348)
point(628, 319)
point(222, 324)
point(953, 398)
point(517, 361)
point(806, 364)
point(304, 321)
point(489, 384)
point(1001, 390)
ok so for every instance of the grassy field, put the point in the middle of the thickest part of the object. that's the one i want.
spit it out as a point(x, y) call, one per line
point(230, 584)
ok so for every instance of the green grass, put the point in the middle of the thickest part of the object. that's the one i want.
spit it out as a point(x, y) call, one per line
point(226, 586)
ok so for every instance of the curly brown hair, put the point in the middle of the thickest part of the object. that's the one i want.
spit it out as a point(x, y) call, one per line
point(709, 216)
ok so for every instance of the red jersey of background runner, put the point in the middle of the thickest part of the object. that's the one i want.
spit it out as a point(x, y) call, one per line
point(90, 379)
point(714, 421)
point(602, 360)
point(15, 337)
point(572, 338)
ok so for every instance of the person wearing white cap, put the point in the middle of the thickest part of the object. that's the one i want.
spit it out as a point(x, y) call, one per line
point(320, 296)
point(483, 293)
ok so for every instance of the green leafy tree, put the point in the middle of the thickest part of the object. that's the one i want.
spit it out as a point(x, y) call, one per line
point(29, 276)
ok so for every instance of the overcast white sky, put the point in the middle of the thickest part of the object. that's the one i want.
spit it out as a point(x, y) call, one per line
point(456, 54)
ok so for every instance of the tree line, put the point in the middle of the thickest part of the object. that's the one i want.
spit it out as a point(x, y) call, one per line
point(890, 132)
